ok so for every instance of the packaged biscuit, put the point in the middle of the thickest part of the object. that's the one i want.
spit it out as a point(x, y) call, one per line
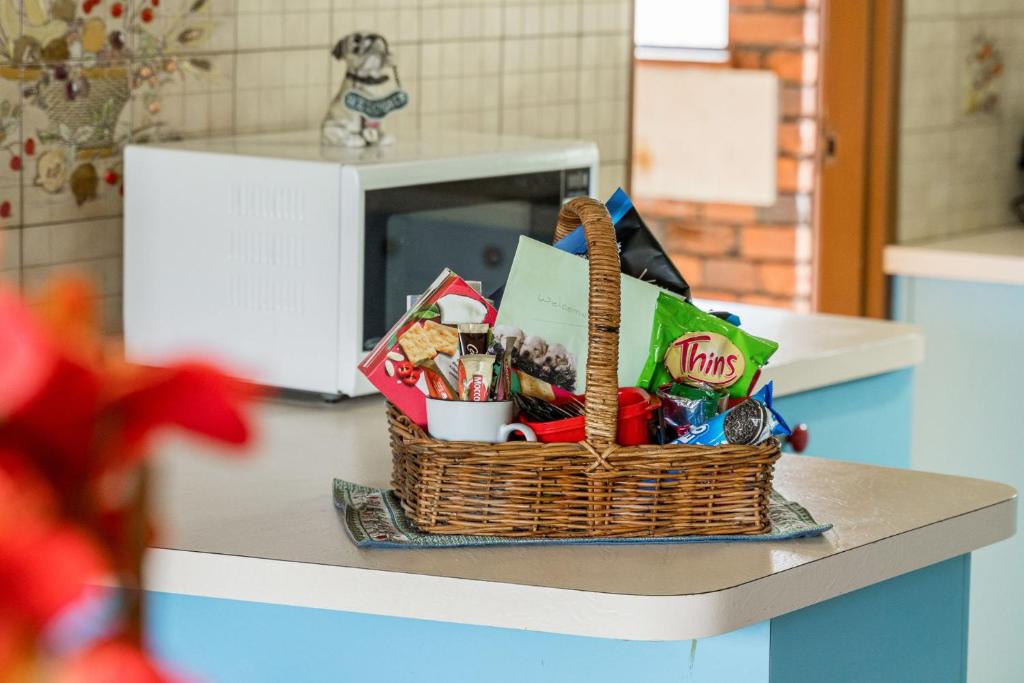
point(748, 423)
point(696, 348)
point(418, 357)
point(684, 407)
point(476, 372)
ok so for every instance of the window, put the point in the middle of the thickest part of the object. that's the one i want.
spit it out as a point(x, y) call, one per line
point(685, 30)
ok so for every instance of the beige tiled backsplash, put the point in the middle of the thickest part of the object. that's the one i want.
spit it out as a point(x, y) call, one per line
point(556, 69)
point(957, 170)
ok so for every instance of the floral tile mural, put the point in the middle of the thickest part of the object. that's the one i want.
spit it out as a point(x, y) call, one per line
point(12, 153)
point(78, 64)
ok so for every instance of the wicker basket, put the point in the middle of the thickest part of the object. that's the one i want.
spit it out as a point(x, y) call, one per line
point(593, 488)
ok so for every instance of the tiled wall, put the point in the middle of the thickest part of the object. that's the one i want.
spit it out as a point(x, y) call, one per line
point(957, 169)
point(758, 255)
point(558, 68)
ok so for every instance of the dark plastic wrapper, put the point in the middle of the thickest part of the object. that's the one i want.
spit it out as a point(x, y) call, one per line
point(684, 407)
point(642, 256)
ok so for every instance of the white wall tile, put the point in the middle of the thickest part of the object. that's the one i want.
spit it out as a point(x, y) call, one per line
point(957, 172)
point(528, 67)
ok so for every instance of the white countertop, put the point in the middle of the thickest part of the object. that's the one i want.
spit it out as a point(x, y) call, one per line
point(818, 350)
point(995, 256)
point(264, 529)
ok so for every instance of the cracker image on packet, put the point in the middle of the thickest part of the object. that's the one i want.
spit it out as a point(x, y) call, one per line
point(443, 338)
point(696, 348)
point(416, 344)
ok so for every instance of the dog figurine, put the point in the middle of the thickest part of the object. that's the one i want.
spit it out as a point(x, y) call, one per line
point(369, 92)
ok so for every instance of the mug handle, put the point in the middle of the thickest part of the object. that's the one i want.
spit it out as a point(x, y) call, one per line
point(506, 431)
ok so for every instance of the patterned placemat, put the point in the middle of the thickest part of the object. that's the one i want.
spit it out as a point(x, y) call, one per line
point(374, 519)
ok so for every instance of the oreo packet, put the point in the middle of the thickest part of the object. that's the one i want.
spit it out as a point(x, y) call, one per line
point(640, 253)
point(699, 349)
point(748, 423)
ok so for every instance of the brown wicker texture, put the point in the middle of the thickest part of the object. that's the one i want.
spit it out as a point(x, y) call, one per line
point(593, 488)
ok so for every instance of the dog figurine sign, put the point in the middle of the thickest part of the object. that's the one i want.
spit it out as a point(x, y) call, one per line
point(369, 92)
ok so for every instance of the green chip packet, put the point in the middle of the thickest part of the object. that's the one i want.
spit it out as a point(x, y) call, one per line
point(699, 349)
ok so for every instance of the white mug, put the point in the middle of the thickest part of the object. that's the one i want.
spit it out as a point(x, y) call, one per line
point(489, 421)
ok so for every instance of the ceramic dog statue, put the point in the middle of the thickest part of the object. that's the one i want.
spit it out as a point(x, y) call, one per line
point(369, 92)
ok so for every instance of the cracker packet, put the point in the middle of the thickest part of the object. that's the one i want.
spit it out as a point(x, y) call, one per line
point(425, 340)
point(696, 348)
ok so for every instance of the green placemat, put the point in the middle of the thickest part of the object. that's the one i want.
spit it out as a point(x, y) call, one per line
point(374, 519)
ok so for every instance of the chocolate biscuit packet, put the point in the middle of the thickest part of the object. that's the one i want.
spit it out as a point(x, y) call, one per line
point(748, 423)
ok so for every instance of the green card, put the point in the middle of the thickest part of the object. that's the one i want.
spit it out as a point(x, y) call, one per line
point(545, 302)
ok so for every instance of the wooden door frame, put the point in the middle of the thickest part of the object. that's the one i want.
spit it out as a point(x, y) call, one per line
point(856, 189)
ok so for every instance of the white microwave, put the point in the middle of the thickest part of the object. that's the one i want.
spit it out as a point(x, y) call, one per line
point(287, 261)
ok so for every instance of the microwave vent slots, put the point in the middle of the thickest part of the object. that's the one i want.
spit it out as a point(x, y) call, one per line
point(267, 202)
point(277, 295)
point(265, 248)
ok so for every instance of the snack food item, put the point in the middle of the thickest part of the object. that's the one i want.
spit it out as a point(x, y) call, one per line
point(415, 343)
point(696, 348)
point(444, 339)
point(417, 355)
point(473, 337)
point(438, 385)
point(475, 373)
point(531, 386)
point(640, 253)
point(503, 386)
point(749, 423)
point(684, 407)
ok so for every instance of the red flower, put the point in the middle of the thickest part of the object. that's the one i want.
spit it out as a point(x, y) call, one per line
point(192, 396)
point(113, 661)
point(44, 564)
point(26, 359)
point(75, 423)
point(80, 416)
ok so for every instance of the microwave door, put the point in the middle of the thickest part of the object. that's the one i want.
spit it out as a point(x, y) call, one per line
point(472, 227)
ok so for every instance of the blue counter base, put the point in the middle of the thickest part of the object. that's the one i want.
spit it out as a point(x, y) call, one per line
point(910, 628)
point(866, 421)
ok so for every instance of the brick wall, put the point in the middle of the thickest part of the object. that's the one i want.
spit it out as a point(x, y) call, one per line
point(758, 255)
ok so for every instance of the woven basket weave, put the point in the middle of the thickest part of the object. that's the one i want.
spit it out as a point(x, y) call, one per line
point(593, 488)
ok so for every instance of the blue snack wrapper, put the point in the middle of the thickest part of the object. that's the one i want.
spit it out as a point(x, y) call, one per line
point(576, 242)
point(750, 422)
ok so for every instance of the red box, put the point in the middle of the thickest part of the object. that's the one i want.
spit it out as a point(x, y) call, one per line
point(426, 331)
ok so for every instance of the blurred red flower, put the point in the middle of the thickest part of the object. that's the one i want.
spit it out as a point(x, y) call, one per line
point(76, 423)
point(113, 661)
point(45, 563)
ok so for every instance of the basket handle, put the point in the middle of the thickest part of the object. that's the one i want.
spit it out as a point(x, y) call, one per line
point(602, 407)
